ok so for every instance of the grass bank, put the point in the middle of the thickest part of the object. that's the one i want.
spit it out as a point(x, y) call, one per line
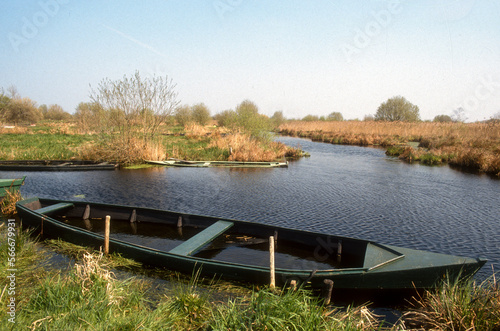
point(473, 146)
point(92, 294)
point(89, 295)
point(63, 141)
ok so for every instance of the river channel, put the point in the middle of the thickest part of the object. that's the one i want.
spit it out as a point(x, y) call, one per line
point(344, 190)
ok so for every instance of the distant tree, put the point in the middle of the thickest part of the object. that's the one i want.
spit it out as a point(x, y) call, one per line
point(43, 109)
point(4, 103)
point(227, 118)
point(442, 118)
point(183, 115)
point(496, 116)
point(201, 114)
point(91, 117)
point(310, 118)
point(369, 118)
point(249, 119)
point(278, 118)
point(13, 93)
point(397, 109)
point(335, 116)
point(55, 113)
point(459, 115)
point(22, 110)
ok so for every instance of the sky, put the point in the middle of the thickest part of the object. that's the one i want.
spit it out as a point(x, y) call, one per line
point(299, 57)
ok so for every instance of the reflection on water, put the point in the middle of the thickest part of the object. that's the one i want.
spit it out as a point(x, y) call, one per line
point(343, 190)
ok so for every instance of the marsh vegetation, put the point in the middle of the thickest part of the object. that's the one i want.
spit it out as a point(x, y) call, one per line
point(473, 146)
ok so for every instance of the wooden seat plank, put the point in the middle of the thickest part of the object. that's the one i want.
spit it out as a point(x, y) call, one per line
point(54, 208)
point(195, 243)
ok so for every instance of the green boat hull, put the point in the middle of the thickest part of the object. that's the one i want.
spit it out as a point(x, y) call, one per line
point(11, 185)
point(364, 265)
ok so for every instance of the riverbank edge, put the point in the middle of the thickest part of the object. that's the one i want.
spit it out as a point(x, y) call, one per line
point(133, 153)
point(408, 150)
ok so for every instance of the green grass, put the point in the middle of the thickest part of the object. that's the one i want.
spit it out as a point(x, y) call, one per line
point(40, 146)
point(89, 296)
point(185, 148)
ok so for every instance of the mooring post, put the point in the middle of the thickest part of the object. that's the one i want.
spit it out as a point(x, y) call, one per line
point(327, 290)
point(271, 261)
point(86, 213)
point(106, 234)
point(339, 251)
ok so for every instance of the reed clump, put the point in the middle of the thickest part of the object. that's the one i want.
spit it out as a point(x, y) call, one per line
point(458, 305)
point(124, 151)
point(8, 204)
point(469, 145)
point(243, 147)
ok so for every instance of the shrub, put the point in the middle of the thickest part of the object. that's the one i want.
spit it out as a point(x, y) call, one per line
point(397, 109)
point(200, 114)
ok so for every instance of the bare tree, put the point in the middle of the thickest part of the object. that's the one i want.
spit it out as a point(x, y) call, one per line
point(142, 103)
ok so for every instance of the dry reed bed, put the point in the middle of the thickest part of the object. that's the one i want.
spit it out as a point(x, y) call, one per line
point(469, 145)
point(245, 148)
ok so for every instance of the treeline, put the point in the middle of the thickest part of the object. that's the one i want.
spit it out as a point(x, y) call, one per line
point(17, 110)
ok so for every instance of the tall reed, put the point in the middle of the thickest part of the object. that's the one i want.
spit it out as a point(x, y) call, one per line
point(458, 305)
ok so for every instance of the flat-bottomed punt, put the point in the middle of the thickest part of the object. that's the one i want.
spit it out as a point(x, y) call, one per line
point(211, 164)
point(11, 185)
point(239, 250)
point(55, 165)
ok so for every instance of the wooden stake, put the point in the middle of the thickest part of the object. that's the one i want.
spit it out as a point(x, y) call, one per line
point(271, 261)
point(327, 290)
point(106, 234)
point(133, 216)
point(86, 213)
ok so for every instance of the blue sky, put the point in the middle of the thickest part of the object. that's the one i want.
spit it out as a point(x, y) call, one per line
point(300, 57)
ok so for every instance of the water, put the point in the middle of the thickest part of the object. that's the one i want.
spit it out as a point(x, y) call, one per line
point(344, 190)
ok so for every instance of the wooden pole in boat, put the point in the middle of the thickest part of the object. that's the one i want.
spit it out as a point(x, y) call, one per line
point(271, 261)
point(106, 234)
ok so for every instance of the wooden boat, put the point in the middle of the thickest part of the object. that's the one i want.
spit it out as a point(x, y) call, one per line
point(11, 185)
point(240, 250)
point(55, 165)
point(205, 164)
